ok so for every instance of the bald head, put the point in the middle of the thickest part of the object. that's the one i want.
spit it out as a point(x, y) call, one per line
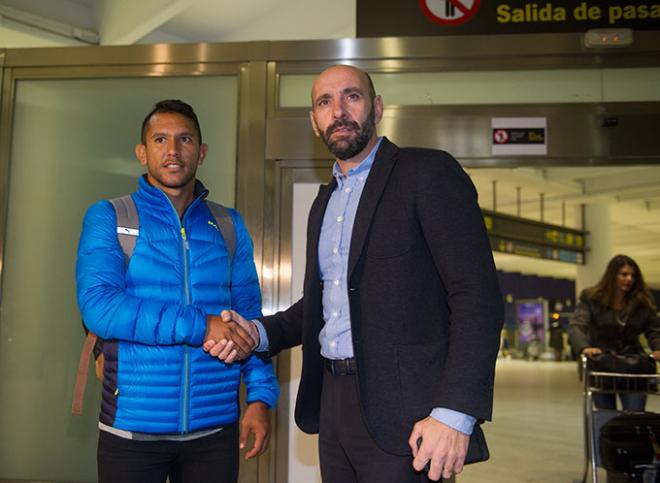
point(345, 111)
point(342, 72)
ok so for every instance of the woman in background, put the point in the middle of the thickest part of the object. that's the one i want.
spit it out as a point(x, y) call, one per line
point(610, 318)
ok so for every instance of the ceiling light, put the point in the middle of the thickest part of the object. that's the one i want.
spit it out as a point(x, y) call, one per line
point(608, 38)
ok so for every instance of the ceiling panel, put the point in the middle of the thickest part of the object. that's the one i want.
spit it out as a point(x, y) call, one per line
point(635, 227)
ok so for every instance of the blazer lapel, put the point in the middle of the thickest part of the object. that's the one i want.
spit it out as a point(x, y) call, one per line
point(373, 189)
point(316, 213)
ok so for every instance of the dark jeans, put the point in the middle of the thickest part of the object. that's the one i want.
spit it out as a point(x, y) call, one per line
point(347, 452)
point(629, 401)
point(212, 459)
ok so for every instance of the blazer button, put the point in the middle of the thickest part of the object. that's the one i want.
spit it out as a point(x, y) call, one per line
point(352, 289)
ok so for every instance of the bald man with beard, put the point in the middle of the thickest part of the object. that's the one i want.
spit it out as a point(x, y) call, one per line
point(401, 314)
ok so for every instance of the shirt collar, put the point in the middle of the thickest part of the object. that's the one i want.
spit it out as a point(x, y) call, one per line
point(363, 168)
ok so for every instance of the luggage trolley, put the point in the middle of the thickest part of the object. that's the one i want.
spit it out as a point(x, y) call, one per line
point(608, 383)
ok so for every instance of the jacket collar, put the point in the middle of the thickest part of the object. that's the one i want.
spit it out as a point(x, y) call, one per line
point(158, 200)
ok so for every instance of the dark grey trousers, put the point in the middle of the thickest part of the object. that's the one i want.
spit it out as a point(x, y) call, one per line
point(347, 452)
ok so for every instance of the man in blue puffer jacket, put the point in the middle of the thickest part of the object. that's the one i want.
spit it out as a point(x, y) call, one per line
point(169, 408)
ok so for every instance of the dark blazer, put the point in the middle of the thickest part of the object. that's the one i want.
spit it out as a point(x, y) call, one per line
point(426, 311)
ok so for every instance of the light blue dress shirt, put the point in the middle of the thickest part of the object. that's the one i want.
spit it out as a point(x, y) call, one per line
point(334, 244)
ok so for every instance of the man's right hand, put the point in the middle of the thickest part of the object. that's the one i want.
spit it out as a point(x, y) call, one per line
point(228, 336)
point(233, 337)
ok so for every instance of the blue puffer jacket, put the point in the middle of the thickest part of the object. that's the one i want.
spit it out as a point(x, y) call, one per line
point(152, 315)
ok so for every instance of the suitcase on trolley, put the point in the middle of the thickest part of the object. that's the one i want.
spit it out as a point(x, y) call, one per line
point(629, 440)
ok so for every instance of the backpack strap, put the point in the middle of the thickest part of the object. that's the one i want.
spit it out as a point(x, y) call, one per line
point(225, 225)
point(81, 375)
point(128, 224)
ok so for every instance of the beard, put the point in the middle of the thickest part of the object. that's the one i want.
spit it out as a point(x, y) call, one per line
point(176, 183)
point(177, 180)
point(348, 147)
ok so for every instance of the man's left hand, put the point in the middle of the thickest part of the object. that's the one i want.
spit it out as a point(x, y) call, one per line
point(255, 420)
point(443, 446)
point(656, 355)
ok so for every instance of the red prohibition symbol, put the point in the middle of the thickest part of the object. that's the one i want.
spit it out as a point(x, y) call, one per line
point(449, 12)
point(500, 136)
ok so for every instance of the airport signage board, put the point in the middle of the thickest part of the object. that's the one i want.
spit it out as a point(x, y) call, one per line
point(396, 18)
point(529, 238)
point(519, 136)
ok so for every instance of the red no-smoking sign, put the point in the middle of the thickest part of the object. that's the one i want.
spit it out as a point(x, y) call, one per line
point(449, 12)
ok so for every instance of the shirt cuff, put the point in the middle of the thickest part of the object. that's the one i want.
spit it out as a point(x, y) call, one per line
point(263, 337)
point(454, 419)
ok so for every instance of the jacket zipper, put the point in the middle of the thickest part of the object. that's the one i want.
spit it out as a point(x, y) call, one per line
point(186, 246)
point(186, 364)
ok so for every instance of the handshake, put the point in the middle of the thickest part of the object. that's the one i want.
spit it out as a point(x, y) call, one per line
point(229, 336)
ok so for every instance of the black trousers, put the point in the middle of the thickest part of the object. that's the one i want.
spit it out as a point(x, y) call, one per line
point(347, 452)
point(211, 459)
point(629, 401)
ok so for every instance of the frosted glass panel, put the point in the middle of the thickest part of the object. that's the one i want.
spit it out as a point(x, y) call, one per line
point(73, 144)
point(465, 88)
point(505, 87)
point(621, 85)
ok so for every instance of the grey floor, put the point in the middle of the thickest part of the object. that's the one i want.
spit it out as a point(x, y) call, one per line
point(536, 434)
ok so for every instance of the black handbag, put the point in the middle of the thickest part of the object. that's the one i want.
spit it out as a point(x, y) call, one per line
point(477, 449)
point(634, 363)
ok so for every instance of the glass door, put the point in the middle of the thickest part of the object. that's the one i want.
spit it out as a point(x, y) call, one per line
point(72, 144)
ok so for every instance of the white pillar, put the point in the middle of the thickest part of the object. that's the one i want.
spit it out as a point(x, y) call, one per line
point(597, 222)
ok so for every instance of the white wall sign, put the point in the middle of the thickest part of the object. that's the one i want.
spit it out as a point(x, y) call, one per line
point(519, 136)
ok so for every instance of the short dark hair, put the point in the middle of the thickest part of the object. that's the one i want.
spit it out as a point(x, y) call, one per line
point(172, 106)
